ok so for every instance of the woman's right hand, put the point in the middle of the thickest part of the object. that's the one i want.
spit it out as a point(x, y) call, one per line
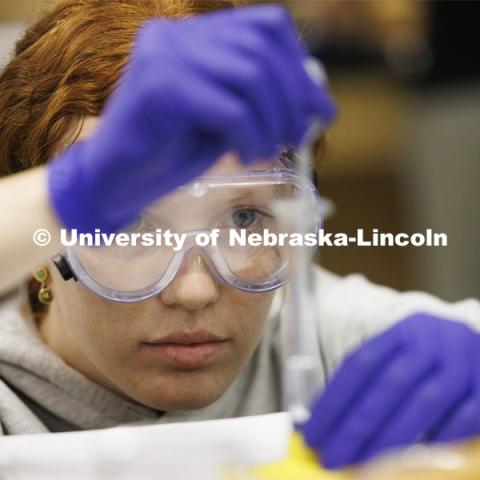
point(193, 90)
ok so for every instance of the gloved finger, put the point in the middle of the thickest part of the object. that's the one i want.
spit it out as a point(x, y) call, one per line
point(271, 18)
point(432, 399)
point(280, 55)
point(322, 106)
point(284, 93)
point(462, 423)
point(226, 122)
point(250, 82)
point(314, 99)
point(217, 25)
point(306, 100)
point(243, 76)
point(272, 40)
point(357, 371)
point(211, 114)
point(375, 405)
point(463, 420)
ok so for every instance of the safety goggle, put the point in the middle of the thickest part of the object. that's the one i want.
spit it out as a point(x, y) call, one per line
point(233, 222)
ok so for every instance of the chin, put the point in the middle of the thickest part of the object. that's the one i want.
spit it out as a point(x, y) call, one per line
point(195, 403)
point(173, 392)
point(182, 402)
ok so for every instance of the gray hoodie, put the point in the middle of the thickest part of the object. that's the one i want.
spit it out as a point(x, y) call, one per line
point(39, 392)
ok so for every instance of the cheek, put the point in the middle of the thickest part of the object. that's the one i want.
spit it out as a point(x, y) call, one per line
point(249, 313)
point(103, 330)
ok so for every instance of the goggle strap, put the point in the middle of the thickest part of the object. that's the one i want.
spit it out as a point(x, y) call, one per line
point(63, 267)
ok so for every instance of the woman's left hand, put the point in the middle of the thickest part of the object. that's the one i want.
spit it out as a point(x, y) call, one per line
point(417, 382)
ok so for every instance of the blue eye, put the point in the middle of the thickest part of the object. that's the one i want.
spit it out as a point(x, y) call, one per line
point(244, 218)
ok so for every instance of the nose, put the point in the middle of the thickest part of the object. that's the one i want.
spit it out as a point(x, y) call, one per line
point(193, 286)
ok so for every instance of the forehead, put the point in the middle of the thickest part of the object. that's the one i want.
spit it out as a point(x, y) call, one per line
point(230, 164)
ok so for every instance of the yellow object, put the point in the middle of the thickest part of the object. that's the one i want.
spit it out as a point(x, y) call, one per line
point(45, 295)
point(302, 464)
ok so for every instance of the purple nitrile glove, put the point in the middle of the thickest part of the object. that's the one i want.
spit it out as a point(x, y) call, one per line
point(418, 381)
point(193, 90)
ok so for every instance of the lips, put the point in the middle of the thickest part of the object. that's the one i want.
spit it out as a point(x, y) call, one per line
point(189, 338)
point(187, 349)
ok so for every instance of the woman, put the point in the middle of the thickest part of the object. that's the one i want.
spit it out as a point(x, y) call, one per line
point(191, 92)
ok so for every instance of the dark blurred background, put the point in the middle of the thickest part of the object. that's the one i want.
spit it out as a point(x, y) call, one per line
point(404, 154)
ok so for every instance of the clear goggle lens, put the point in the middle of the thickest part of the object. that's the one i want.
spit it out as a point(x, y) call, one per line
point(233, 222)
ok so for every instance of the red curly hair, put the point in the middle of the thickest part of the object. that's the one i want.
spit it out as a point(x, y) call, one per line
point(65, 67)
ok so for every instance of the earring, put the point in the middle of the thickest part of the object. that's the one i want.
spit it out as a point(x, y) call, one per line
point(45, 295)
